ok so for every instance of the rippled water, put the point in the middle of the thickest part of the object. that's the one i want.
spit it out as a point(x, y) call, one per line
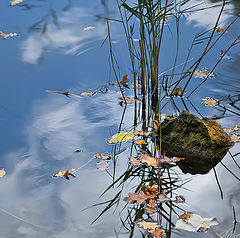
point(40, 132)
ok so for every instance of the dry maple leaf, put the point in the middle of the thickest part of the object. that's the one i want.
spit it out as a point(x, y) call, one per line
point(235, 138)
point(15, 2)
point(136, 198)
point(232, 129)
point(157, 233)
point(88, 93)
point(185, 216)
point(140, 142)
point(89, 28)
point(65, 174)
point(219, 29)
point(102, 156)
point(147, 225)
point(141, 133)
point(134, 161)
point(151, 161)
point(102, 165)
point(210, 102)
point(177, 92)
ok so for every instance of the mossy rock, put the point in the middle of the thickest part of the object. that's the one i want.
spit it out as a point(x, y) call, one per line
point(202, 142)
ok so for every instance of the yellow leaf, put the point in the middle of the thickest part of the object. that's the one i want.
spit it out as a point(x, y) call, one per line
point(65, 174)
point(121, 137)
point(15, 2)
point(102, 156)
point(2, 173)
point(88, 93)
point(235, 138)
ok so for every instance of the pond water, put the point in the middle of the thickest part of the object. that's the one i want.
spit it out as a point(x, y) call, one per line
point(60, 47)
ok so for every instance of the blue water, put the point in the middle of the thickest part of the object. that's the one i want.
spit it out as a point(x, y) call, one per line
point(40, 132)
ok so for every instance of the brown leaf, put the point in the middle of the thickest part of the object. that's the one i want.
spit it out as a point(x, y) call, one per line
point(232, 129)
point(124, 81)
point(235, 138)
point(162, 198)
point(210, 102)
point(150, 209)
point(136, 198)
point(15, 2)
point(157, 233)
point(134, 161)
point(165, 160)
point(177, 92)
point(127, 100)
point(112, 83)
point(65, 174)
point(185, 216)
point(141, 133)
point(102, 156)
point(179, 199)
point(147, 225)
point(140, 142)
point(151, 161)
point(219, 29)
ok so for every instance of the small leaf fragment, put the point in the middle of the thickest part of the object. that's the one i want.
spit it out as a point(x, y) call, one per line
point(157, 233)
point(15, 2)
point(179, 199)
point(141, 133)
point(7, 35)
point(102, 156)
point(2, 173)
point(232, 129)
point(140, 142)
point(210, 102)
point(89, 28)
point(148, 225)
point(88, 93)
point(127, 100)
point(121, 137)
point(177, 92)
point(65, 174)
point(235, 138)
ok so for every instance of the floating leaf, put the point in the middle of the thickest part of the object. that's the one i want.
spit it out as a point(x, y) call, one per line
point(226, 57)
point(162, 198)
point(150, 209)
point(232, 129)
point(136, 198)
point(210, 102)
point(202, 73)
point(223, 51)
point(140, 142)
point(151, 161)
point(165, 160)
point(89, 28)
point(157, 233)
point(102, 165)
point(134, 161)
point(2, 173)
point(195, 223)
point(179, 199)
point(65, 174)
point(235, 138)
point(88, 93)
point(15, 2)
point(177, 92)
point(219, 29)
point(127, 100)
point(102, 156)
point(141, 133)
point(121, 137)
point(124, 81)
point(67, 94)
point(148, 225)
point(7, 35)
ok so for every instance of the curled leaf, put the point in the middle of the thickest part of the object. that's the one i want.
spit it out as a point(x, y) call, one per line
point(102, 156)
point(219, 29)
point(65, 174)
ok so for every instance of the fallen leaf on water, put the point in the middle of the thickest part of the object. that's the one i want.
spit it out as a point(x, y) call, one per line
point(102, 156)
point(141, 133)
point(121, 137)
point(134, 161)
point(140, 142)
point(102, 165)
point(148, 225)
point(210, 102)
point(89, 28)
point(219, 29)
point(88, 93)
point(150, 209)
point(2, 173)
point(232, 129)
point(151, 161)
point(166, 160)
point(127, 100)
point(67, 94)
point(177, 92)
point(162, 198)
point(7, 35)
point(124, 81)
point(179, 199)
point(15, 2)
point(235, 138)
point(65, 174)
point(195, 223)
point(157, 233)
point(136, 198)
point(202, 73)
point(226, 57)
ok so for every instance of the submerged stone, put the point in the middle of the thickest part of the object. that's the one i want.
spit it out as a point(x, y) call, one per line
point(202, 142)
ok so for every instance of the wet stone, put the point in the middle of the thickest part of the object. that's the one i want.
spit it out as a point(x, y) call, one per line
point(202, 142)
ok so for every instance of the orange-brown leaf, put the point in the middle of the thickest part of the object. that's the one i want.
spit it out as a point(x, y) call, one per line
point(210, 102)
point(141, 133)
point(88, 93)
point(157, 233)
point(232, 129)
point(134, 161)
point(140, 142)
point(219, 29)
point(185, 216)
point(7, 35)
point(65, 174)
point(15, 2)
point(147, 225)
point(127, 100)
point(150, 209)
point(151, 161)
point(177, 92)
point(102, 156)
point(136, 198)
